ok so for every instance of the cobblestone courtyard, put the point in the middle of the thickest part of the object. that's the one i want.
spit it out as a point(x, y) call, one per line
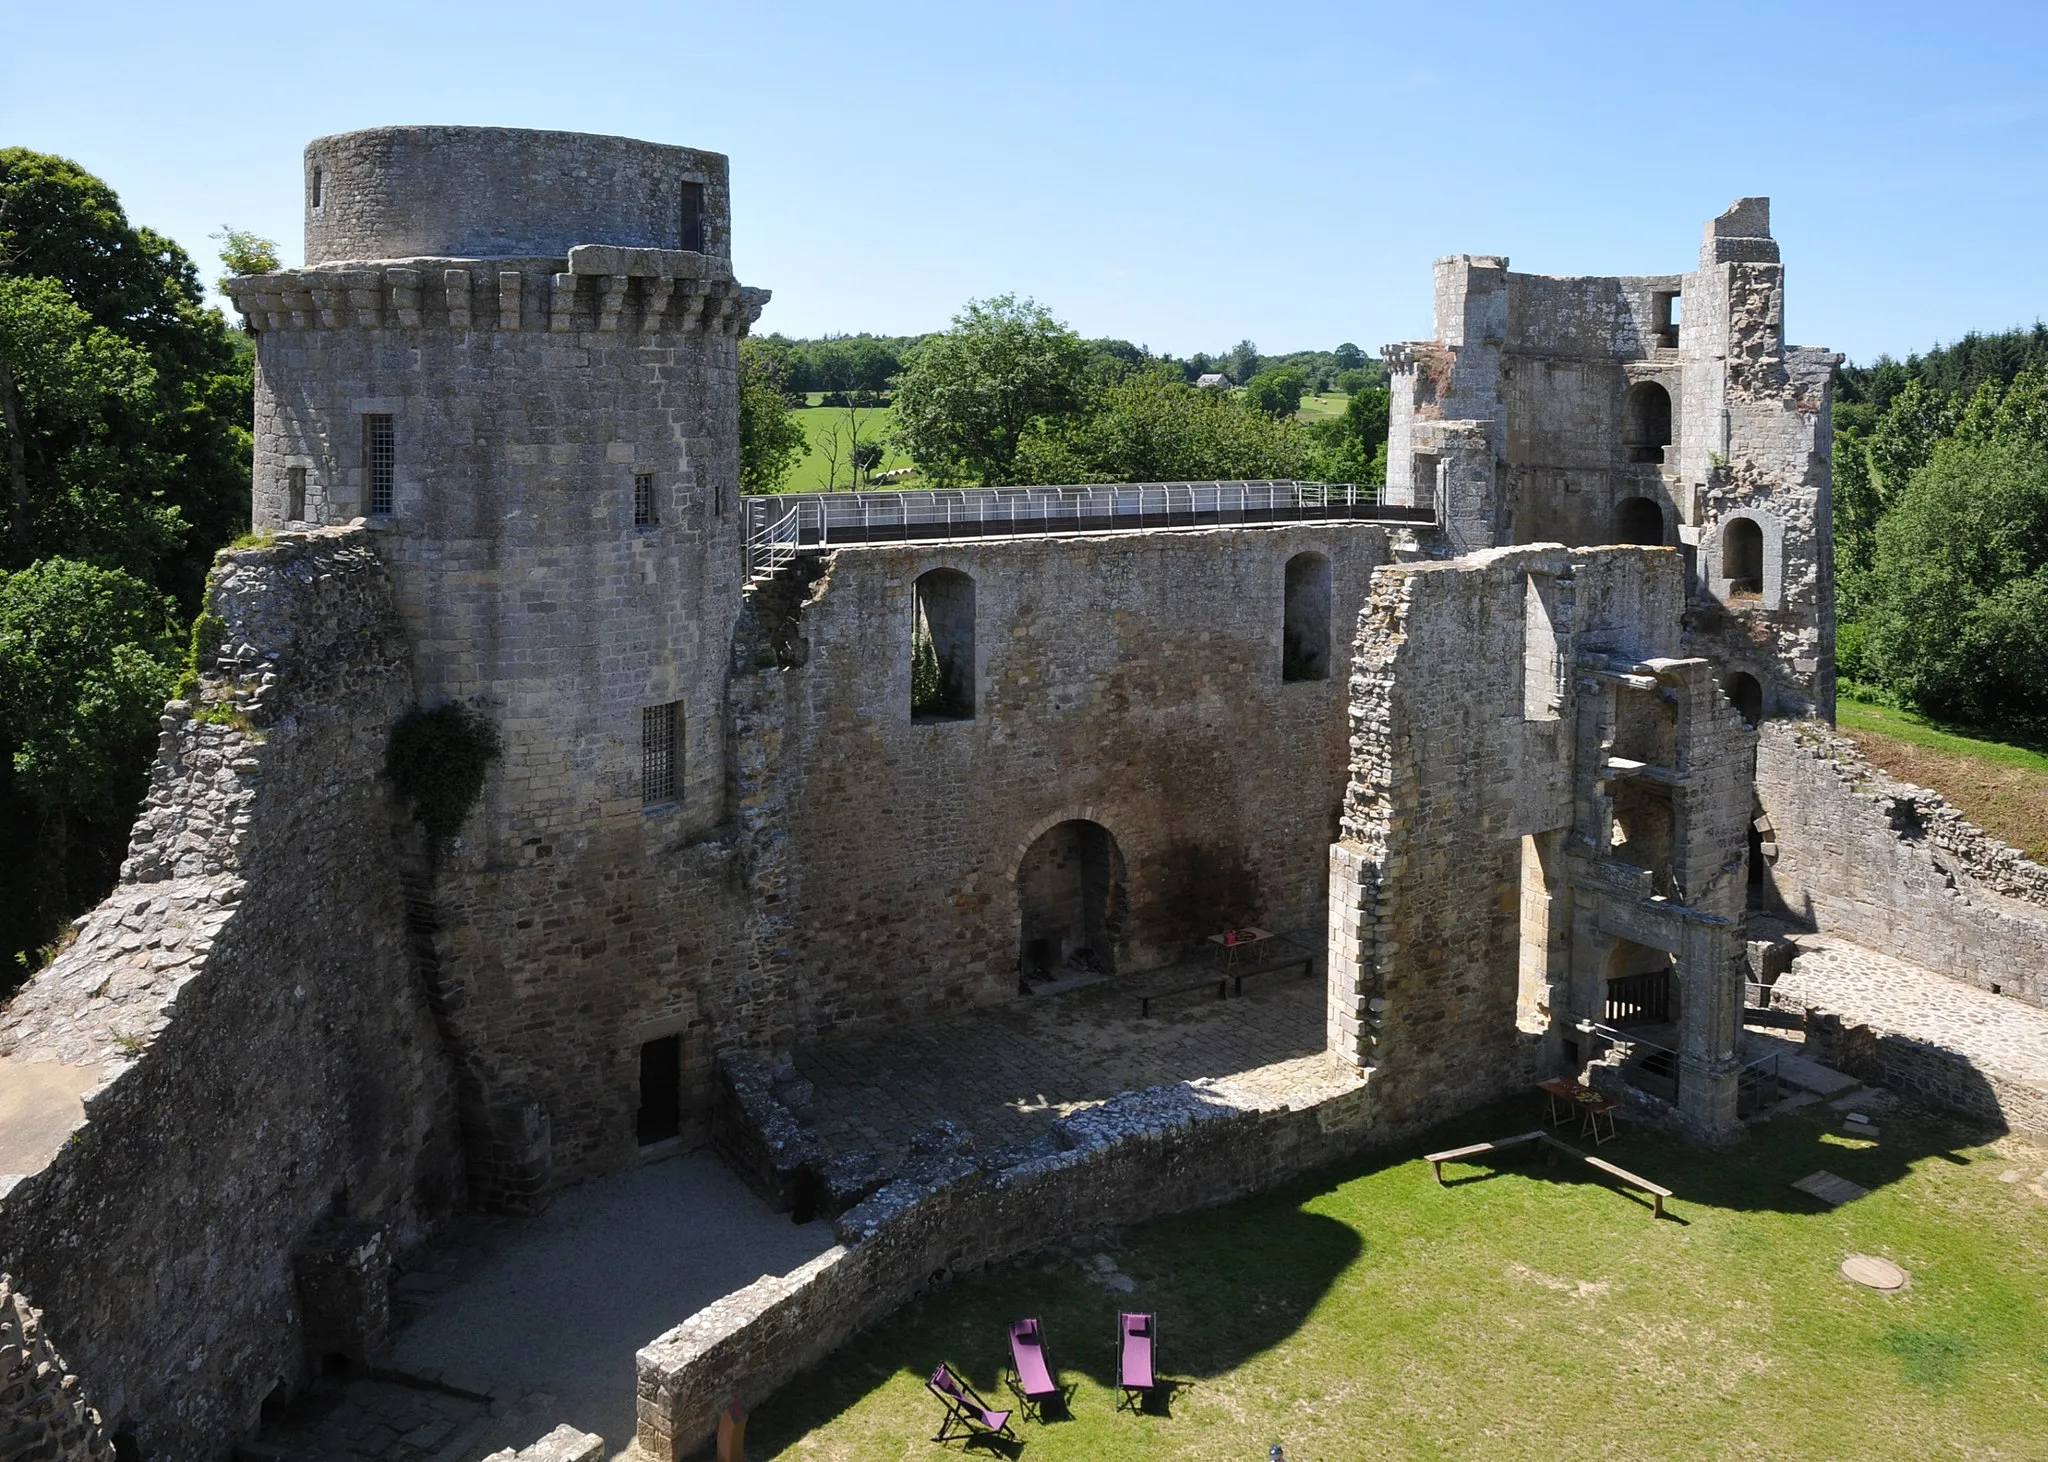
point(1008, 1072)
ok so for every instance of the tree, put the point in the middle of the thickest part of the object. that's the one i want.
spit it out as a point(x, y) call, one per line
point(1957, 606)
point(191, 451)
point(771, 438)
point(1351, 382)
point(1349, 357)
point(1276, 392)
point(242, 252)
point(1157, 428)
point(1355, 443)
point(1242, 363)
point(87, 658)
point(967, 396)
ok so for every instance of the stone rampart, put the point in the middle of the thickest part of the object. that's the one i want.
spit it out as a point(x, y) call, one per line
point(43, 1412)
point(1135, 1157)
point(1895, 868)
point(242, 1012)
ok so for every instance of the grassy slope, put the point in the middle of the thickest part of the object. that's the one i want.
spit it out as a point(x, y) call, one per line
point(1322, 407)
point(818, 421)
point(2001, 787)
point(1532, 1313)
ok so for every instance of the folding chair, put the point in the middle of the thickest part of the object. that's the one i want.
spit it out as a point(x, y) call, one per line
point(1134, 1335)
point(967, 1415)
point(1030, 1377)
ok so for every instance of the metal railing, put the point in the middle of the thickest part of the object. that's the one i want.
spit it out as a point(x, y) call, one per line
point(780, 525)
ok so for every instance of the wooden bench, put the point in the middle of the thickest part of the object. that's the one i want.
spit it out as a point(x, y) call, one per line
point(1230, 982)
point(1456, 1154)
point(1657, 1191)
point(1306, 963)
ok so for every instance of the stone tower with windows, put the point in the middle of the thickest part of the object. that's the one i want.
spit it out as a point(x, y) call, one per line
point(515, 354)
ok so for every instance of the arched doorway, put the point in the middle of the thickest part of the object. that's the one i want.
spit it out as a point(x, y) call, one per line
point(1747, 695)
point(1742, 556)
point(1639, 520)
point(1072, 902)
point(1648, 426)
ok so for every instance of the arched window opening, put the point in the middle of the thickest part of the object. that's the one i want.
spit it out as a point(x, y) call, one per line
point(942, 648)
point(1742, 556)
point(1071, 902)
point(1648, 429)
point(1639, 520)
point(1746, 693)
point(1305, 635)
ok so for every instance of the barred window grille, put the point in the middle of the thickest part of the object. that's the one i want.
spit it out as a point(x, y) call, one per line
point(659, 729)
point(380, 461)
point(295, 494)
point(643, 500)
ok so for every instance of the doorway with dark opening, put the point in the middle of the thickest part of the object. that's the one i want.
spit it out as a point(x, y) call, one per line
point(1072, 904)
point(661, 1091)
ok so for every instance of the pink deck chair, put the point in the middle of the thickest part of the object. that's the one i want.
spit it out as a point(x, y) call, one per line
point(1030, 1375)
point(1134, 1336)
point(967, 1415)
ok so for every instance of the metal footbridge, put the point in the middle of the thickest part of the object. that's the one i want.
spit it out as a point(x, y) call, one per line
point(779, 526)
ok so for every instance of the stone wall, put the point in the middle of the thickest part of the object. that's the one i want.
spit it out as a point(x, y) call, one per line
point(43, 1412)
point(1135, 1157)
point(1927, 1071)
point(244, 1003)
point(1895, 868)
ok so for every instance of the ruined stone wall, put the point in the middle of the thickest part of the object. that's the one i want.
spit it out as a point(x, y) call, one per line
point(1134, 1157)
point(44, 1415)
point(245, 1010)
point(1895, 868)
point(1133, 680)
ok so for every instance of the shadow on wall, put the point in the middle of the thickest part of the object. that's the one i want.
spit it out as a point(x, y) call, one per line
point(1202, 890)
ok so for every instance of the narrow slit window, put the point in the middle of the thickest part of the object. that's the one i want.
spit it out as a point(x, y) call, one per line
point(380, 462)
point(643, 500)
point(316, 187)
point(295, 494)
point(692, 231)
point(660, 728)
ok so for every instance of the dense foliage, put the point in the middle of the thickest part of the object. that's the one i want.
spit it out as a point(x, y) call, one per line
point(124, 420)
point(771, 440)
point(1941, 529)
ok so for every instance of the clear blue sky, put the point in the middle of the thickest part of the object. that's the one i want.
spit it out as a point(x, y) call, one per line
point(1183, 175)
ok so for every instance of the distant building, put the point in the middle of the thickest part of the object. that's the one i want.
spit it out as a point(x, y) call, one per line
point(1213, 381)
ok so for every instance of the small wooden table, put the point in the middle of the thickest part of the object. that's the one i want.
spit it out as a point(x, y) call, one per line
point(1595, 1106)
point(1561, 1098)
point(1231, 942)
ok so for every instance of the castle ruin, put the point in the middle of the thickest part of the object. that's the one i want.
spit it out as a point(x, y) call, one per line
point(1492, 734)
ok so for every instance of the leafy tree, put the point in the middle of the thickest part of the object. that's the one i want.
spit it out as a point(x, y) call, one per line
point(88, 656)
point(771, 439)
point(1157, 428)
point(1354, 444)
point(1957, 607)
point(967, 396)
point(1351, 382)
point(1349, 357)
point(1276, 392)
point(190, 451)
point(242, 252)
point(1242, 363)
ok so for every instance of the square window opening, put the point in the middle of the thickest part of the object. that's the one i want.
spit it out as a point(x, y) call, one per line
point(380, 463)
point(660, 729)
point(643, 500)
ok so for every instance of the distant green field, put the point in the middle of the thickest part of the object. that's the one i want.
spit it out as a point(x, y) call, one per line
point(818, 424)
point(1322, 407)
point(1857, 715)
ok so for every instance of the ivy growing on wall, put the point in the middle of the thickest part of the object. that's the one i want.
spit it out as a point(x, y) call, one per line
point(438, 760)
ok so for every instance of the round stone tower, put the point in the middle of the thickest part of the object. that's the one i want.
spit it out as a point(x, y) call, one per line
point(514, 354)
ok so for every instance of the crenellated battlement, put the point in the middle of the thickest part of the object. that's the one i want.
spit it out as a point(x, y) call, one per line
point(598, 287)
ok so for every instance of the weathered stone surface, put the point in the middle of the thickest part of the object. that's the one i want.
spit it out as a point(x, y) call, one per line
point(44, 1415)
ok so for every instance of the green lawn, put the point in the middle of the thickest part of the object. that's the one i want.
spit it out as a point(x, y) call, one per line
point(1522, 1312)
point(1855, 715)
point(1322, 407)
point(818, 423)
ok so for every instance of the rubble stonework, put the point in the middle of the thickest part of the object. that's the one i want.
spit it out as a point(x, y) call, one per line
point(261, 1052)
point(1896, 868)
point(1652, 409)
point(43, 1410)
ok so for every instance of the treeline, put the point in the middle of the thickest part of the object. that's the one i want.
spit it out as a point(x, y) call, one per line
point(1941, 530)
point(124, 417)
point(1011, 395)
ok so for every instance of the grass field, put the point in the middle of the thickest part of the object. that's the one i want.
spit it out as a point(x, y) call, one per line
point(818, 423)
point(2001, 787)
point(1523, 1312)
point(1322, 407)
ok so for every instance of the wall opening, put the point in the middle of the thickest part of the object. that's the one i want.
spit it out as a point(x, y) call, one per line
point(1746, 693)
point(1305, 632)
point(942, 648)
point(1639, 520)
point(380, 463)
point(1072, 902)
point(1645, 728)
point(1538, 958)
point(643, 500)
point(661, 1091)
point(295, 494)
point(1422, 471)
point(1640, 988)
point(1742, 556)
point(1643, 835)
point(690, 236)
point(1667, 314)
point(1542, 666)
point(318, 182)
point(1647, 431)
point(661, 730)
